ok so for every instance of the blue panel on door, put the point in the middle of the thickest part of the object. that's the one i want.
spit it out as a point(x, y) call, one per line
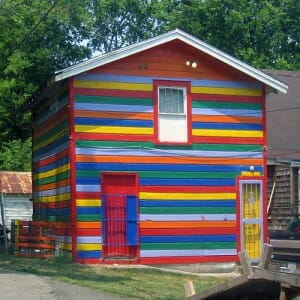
point(132, 217)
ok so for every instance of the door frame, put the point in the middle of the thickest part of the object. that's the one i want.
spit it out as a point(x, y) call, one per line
point(136, 194)
point(239, 211)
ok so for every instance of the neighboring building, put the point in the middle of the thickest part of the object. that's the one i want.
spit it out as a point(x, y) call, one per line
point(154, 153)
point(283, 152)
point(16, 190)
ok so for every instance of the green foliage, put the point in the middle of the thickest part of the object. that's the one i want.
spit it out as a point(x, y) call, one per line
point(16, 155)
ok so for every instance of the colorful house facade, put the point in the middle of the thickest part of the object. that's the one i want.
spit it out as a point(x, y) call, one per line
point(154, 154)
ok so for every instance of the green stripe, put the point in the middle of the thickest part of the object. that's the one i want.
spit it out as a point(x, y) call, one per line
point(139, 145)
point(230, 105)
point(188, 246)
point(88, 217)
point(58, 177)
point(53, 218)
point(60, 127)
point(114, 100)
point(167, 174)
point(187, 210)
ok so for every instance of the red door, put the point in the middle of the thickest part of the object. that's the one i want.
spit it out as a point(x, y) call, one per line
point(119, 193)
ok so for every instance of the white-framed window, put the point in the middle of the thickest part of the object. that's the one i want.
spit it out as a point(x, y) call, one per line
point(172, 112)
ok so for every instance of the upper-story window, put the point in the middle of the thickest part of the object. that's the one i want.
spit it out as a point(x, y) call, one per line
point(172, 112)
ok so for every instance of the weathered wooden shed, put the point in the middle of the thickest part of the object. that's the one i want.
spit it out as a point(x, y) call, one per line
point(154, 153)
point(283, 153)
point(15, 193)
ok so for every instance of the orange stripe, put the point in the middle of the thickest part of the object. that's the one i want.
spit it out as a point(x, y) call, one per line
point(226, 119)
point(90, 225)
point(112, 114)
point(185, 224)
point(52, 186)
point(169, 160)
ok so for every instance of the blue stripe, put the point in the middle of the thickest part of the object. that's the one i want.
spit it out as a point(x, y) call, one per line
point(51, 166)
point(59, 142)
point(187, 203)
point(89, 254)
point(149, 80)
point(89, 210)
point(188, 238)
point(53, 211)
point(233, 126)
point(164, 167)
point(166, 181)
point(113, 122)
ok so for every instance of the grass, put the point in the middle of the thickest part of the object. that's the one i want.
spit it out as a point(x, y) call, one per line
point(130, 283)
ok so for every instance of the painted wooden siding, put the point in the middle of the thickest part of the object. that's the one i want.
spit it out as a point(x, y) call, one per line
point(187, 195)
point(51, 166)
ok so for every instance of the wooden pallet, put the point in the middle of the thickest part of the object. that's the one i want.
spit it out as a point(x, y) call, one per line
point(34, 239)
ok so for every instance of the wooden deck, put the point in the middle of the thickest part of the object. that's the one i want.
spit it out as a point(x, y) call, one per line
point(254, 283)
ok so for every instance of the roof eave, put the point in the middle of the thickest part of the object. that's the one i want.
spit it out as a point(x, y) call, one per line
point(98, 61)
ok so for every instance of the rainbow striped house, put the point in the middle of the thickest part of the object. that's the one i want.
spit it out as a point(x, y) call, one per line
point(154, 154)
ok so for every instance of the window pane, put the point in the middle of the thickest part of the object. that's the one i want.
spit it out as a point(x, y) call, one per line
point(171, 100)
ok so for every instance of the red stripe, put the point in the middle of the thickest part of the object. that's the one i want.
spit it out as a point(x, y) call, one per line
point(114, 137)
point(186, 231)
point(113, 93)
point(187, 259)
point(88, 261)
point(57, 204)
point(92, 195)
point(89, 232)
point(188, 189)
point(50, 159)
point(63, 231)
point(226, 98)
point(227, 140)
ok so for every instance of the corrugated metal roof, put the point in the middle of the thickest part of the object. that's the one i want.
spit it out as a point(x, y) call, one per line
point(15, 182)
point(272, 83)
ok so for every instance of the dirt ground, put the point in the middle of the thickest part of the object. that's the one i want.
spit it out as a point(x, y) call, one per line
point(26, 286)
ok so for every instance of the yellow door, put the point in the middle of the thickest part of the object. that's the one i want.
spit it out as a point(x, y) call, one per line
point(251, 218)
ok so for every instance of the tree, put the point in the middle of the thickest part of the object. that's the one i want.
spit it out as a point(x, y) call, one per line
point(263, 33)
point(119, 23)
point(36, 38)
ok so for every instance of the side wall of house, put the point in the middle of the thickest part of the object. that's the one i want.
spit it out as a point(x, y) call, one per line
point(51, 164)
point(187, 194)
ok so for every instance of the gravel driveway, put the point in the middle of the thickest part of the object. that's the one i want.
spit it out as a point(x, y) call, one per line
point(25, 286)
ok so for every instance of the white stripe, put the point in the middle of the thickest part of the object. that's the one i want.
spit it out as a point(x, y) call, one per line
point(110, 107)
point(226, 112)
point(64, 239)
point(160, 152)
point(87, 188)
point(61, 190)
point(194, 252)
point(188, 217)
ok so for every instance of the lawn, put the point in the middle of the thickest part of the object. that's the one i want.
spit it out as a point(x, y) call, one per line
point(130, 283)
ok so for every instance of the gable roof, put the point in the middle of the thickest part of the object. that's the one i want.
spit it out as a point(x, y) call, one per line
point(15, 182)
point(283, 120)
point(273, 84)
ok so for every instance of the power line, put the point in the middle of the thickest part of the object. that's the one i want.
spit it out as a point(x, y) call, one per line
point(27, 35)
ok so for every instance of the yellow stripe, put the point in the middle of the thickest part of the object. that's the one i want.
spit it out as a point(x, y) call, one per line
point(65, 246)
point(229, 133)
point(225, 91)
point(56, 198)
point(186, 196)
point(249, 173)
point(51, 139)
point(88, 202)
point(88, 247)
point(113, 129)
point(113, 85)
point(53, 172)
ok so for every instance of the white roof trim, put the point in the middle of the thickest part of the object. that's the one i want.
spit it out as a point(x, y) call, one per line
point(101, 60)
